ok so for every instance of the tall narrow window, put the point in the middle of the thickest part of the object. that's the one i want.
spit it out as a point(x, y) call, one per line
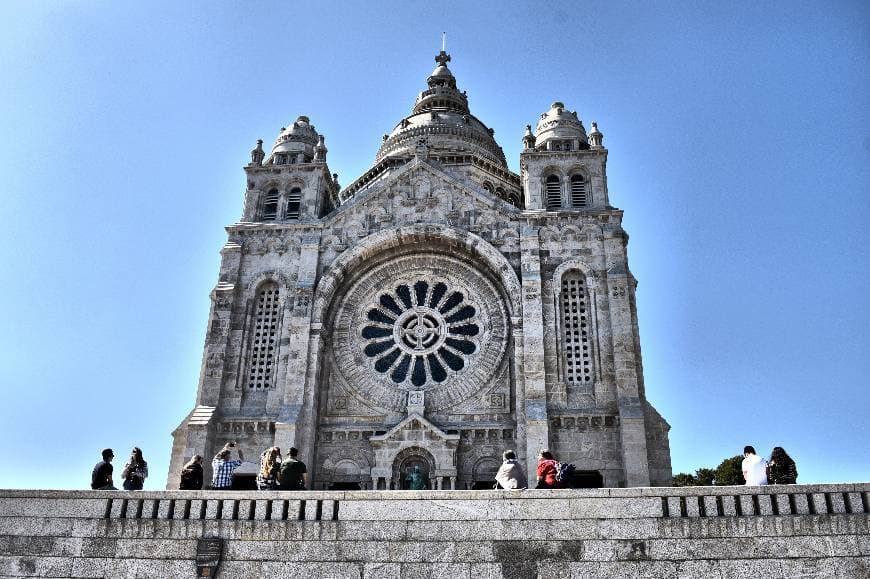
point(270, 205)
point(264, 337)
point(579, 197)
point(553, 192)
point(293, 200)
point(576, 329)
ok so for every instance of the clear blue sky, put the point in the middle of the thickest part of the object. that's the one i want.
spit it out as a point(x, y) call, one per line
point(739, 142)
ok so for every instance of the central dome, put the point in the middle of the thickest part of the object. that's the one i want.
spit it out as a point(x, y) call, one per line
point(441, 117)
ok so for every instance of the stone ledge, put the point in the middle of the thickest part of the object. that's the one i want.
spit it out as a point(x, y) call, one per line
point(446, 494)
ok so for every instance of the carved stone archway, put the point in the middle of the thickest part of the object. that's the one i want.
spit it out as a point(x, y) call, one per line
point(414, 437)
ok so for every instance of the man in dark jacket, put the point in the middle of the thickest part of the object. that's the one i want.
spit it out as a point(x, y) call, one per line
point(101, 477)
point(293, 475)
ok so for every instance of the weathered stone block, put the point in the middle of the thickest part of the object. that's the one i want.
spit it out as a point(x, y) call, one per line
point(801, 504)
point(90, 567)
point(729, 506)
point(782, 504)
point(747, 505)
point(820, 505)
point(382, 571)
point(854, 501)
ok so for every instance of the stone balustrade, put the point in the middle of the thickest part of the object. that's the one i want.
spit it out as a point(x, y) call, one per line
point(720, 532)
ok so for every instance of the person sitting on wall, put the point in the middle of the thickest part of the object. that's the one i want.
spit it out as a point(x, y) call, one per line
point(270, 466)
point(135, 471)
point(223, 468)
point(781, 469)
point(101, 477)
point(547, 469)
point(754, 467)
point(191, 474)
point(510, 474)
point(293, 475)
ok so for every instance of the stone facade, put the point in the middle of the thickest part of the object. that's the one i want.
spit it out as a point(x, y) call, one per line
point(436, 312)
point(784, 532)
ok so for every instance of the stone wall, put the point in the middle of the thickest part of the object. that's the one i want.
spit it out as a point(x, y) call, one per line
point(714, 532)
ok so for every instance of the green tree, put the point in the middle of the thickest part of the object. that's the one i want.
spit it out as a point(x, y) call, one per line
point(684, 480)
point(730, 472)
point(705, 477)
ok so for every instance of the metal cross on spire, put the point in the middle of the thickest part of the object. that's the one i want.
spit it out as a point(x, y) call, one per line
point(443, 58)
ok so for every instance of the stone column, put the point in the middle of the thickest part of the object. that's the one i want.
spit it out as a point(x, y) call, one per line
point(626, 360)
point(298, 409)
point(533, 375)
point(453, 483)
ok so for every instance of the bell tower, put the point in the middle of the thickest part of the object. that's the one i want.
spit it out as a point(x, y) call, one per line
point(294, 183)
point(562, 167)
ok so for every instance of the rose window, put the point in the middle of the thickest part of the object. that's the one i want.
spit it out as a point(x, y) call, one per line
point(420, 332)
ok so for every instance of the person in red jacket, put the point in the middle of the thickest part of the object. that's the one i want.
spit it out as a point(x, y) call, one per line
point(547, 468)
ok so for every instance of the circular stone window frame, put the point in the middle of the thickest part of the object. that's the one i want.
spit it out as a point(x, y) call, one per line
point(378, 389)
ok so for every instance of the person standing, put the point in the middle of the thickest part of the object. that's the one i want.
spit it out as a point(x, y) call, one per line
point(222, 467)
point(510, 474)
point(781, 469)
point(191, 474)
point(101, 477)
point(270, 466)
point(293, 475)
point(754, 467)
point(547, 469)
point(135, 471)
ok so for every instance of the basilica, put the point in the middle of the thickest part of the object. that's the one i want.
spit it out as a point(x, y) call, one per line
point(435, 312)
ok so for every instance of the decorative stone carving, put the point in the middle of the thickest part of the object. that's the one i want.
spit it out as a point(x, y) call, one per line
point(422, 322)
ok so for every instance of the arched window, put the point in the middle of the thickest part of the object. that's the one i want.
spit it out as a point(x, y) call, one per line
point(264, 342)
point(487, 186)
point(293, 199)
point(553, 192)
point(579, 197)
point(514, 199)
point(576, 329)
point(270, 205)
point(499, 192)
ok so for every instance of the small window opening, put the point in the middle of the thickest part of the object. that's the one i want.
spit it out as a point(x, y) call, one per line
point(293, 200)
point(579, 196)
point(553, 192)
point(270, 205)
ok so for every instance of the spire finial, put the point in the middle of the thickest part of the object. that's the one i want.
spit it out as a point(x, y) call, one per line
point(443, 58)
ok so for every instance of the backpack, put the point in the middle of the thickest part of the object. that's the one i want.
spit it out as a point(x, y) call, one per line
point(564, 473)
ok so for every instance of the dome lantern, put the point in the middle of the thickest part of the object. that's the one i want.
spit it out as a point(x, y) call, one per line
point(560, 129)
point(441, 115)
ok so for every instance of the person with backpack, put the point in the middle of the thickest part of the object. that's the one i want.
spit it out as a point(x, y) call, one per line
point(547, 470)
point(135, 471)
point(191, 474)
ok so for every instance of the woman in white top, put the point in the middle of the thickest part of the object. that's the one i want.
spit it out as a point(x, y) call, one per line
point(511, 475)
